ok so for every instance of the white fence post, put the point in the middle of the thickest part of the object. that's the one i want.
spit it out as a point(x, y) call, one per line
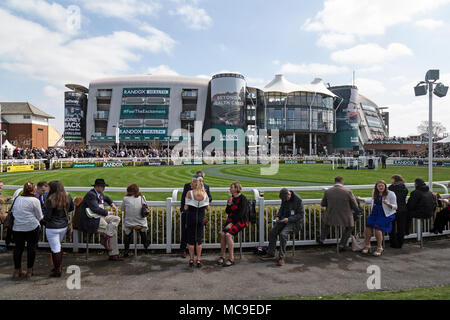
point(168, 225)
point(261, 221)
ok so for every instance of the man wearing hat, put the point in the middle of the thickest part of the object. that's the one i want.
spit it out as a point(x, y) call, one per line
point(289, 219)
point(94, 218)
point(186, 189)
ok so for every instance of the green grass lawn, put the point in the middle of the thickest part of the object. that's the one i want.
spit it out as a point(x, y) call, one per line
point(430, 293)
point(221, 176)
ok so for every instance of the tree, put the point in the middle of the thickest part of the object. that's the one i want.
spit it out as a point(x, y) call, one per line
point(438, 128)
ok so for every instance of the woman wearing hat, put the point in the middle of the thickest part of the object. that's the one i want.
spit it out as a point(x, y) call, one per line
point(94, 218)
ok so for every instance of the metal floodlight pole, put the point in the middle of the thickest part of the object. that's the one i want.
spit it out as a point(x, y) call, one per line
point(430, 136)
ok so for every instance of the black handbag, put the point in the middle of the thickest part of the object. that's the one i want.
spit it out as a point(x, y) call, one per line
point(145, 211)
point(8, 223)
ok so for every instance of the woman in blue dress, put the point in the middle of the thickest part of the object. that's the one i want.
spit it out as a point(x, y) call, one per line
point(384, 205)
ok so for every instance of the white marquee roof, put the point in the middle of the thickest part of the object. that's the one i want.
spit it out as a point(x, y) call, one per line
point(280, 84)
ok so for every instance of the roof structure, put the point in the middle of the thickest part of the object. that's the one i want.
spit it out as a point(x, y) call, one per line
point(280, 84)
point(22, 108)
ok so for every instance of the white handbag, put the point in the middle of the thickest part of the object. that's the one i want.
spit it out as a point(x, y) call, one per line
point(357, 243)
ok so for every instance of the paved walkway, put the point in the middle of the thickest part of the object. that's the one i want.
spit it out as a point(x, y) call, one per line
point(312, 272)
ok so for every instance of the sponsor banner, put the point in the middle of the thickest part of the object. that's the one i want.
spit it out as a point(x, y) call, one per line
point(21, 168)
point(309, 161)
point(153, 163)
point(192, 162)
point(291, 161)
point(144, 112)
point(142, 133)
point(146, 92)
point(229, 162)
point(84, 165)
point(405, 163)
point(437, 163)
point(73, 116)
point(113, 164)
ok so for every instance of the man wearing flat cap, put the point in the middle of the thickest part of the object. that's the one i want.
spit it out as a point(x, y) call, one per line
point(94, 218)
point(289, 219)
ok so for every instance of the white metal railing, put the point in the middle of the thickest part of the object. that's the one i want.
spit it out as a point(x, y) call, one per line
point(165, 233)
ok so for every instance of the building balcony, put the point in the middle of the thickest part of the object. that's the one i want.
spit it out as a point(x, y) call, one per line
point(101, 115)
point(188, 115)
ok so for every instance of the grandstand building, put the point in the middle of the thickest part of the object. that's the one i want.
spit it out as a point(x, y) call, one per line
point(150, 108)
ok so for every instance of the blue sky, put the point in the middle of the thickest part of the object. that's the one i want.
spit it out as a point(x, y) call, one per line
point(389, 44)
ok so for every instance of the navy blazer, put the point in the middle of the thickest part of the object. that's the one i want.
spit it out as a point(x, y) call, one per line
point(186, 189)
point(90, 200)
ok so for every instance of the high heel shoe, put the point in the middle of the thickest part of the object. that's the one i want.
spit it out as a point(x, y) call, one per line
point(378, 252)
point(199, 264)
point(366, 250)
point(191, 263)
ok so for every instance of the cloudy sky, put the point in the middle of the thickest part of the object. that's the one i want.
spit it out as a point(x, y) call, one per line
point(390, 44)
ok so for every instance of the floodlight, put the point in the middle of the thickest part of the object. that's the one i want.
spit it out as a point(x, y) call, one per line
point(440, 90)
point(432, 75)
point(420, 90)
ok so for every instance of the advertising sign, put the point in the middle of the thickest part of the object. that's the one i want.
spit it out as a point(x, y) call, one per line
point(144, 112)
point(84, 165)
point(21, 168)
point(347, 120)
point(142, 134)
point(153, 163)
point(291, 161)
point(228, 103)
point(73, 116)
point(146, 92)
point(113, 164)
point(405, 163)
point(192, 162)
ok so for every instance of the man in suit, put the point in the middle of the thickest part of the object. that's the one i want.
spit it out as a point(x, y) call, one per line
point(41, 194)
point(106, 224)
point(289, 219)
point(186, 189)
point(340, 203)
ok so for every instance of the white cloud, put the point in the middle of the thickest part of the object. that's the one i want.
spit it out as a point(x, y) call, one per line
point(368, 17)
point(429, 24)
point(162, 70)
point(51, 91)
point(42, 54)
point(276, 62)
point(370, 69)
point(413, 112)
point(194, 17)
point(123, 9)
point(315, 69)
point(257, 82)
point(370, 87)
point(55, 15)
point(332, 40)
point(371, 53)
point(203, 76)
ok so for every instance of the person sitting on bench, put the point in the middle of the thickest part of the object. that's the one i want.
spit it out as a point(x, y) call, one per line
point(94, 218)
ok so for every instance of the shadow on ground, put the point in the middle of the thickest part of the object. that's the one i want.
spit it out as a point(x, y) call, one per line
point(311, 272)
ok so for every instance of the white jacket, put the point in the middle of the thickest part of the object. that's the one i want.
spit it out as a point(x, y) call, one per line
point(391, 198)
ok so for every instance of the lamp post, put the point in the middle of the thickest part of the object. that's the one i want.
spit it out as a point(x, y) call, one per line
point(440, 90)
